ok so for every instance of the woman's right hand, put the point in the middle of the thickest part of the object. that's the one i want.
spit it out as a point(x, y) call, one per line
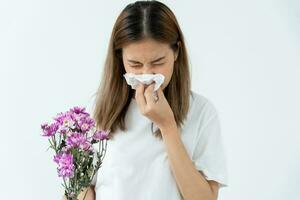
point(89, 196)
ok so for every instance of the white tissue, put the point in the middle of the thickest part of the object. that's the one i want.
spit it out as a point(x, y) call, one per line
point(134, 79)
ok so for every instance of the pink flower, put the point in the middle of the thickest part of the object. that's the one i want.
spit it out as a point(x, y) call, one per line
point(65, 119)
point(78, 114)
point(85, 124)
point(78, 140)
point(76, 117)
point(65, 165)
point(49, 130)
point(101, 135)
point(78, 110)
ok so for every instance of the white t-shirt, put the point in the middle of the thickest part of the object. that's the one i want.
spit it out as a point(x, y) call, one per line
point(136, 164)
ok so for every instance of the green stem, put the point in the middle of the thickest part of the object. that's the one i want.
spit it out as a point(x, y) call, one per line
point(104, 151)
point(59, 138)
point(67, 188)
point(54, 144)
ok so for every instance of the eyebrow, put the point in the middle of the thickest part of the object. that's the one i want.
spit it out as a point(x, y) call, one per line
point(156, 60)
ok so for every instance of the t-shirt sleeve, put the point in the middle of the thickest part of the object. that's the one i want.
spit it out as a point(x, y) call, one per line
point(209, 154)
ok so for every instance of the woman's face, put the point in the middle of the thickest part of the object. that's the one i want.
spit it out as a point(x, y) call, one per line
point(149, 57)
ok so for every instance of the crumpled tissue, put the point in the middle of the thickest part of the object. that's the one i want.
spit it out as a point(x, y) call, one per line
point(134, 79)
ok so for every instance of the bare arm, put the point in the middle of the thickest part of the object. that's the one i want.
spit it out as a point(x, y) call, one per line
point(192, 184)
point(89, 196)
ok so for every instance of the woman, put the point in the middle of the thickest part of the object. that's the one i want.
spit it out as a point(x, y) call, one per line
point(184, 157)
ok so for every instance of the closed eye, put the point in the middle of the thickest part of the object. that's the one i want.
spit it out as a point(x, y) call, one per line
point(135, 65)
point(158, 63)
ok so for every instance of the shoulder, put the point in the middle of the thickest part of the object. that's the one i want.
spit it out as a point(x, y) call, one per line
point(202, 106)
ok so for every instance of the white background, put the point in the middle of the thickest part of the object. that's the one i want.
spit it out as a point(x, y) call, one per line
point(244, 57)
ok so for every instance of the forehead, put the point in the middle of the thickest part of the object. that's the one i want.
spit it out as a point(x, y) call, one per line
point(145, 49)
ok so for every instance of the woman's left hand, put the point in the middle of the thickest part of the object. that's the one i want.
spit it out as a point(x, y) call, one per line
point(158, 111)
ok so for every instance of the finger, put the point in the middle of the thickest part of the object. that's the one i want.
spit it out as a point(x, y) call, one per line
point(149, 94)
point(139, 95)
point(160, 93)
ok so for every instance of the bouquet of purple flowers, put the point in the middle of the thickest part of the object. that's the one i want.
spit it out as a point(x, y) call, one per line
point(72, 136)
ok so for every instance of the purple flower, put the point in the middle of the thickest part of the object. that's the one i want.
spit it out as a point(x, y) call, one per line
point(65, 119)
point(65, 165)
point(49, 130)
point(78, 113)
point(78, 110)
point(65, 149)
point(101, 135)
point(64, 130)
point(86, 145)
point(86, 123)
point(78, 140)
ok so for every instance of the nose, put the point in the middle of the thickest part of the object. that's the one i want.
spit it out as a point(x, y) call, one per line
point(147, 69)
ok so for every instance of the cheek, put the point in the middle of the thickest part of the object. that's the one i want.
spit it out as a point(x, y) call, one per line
point(167, 72)
point(129, 69)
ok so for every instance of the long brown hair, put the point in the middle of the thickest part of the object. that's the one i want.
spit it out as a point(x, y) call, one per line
point(137, 21)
